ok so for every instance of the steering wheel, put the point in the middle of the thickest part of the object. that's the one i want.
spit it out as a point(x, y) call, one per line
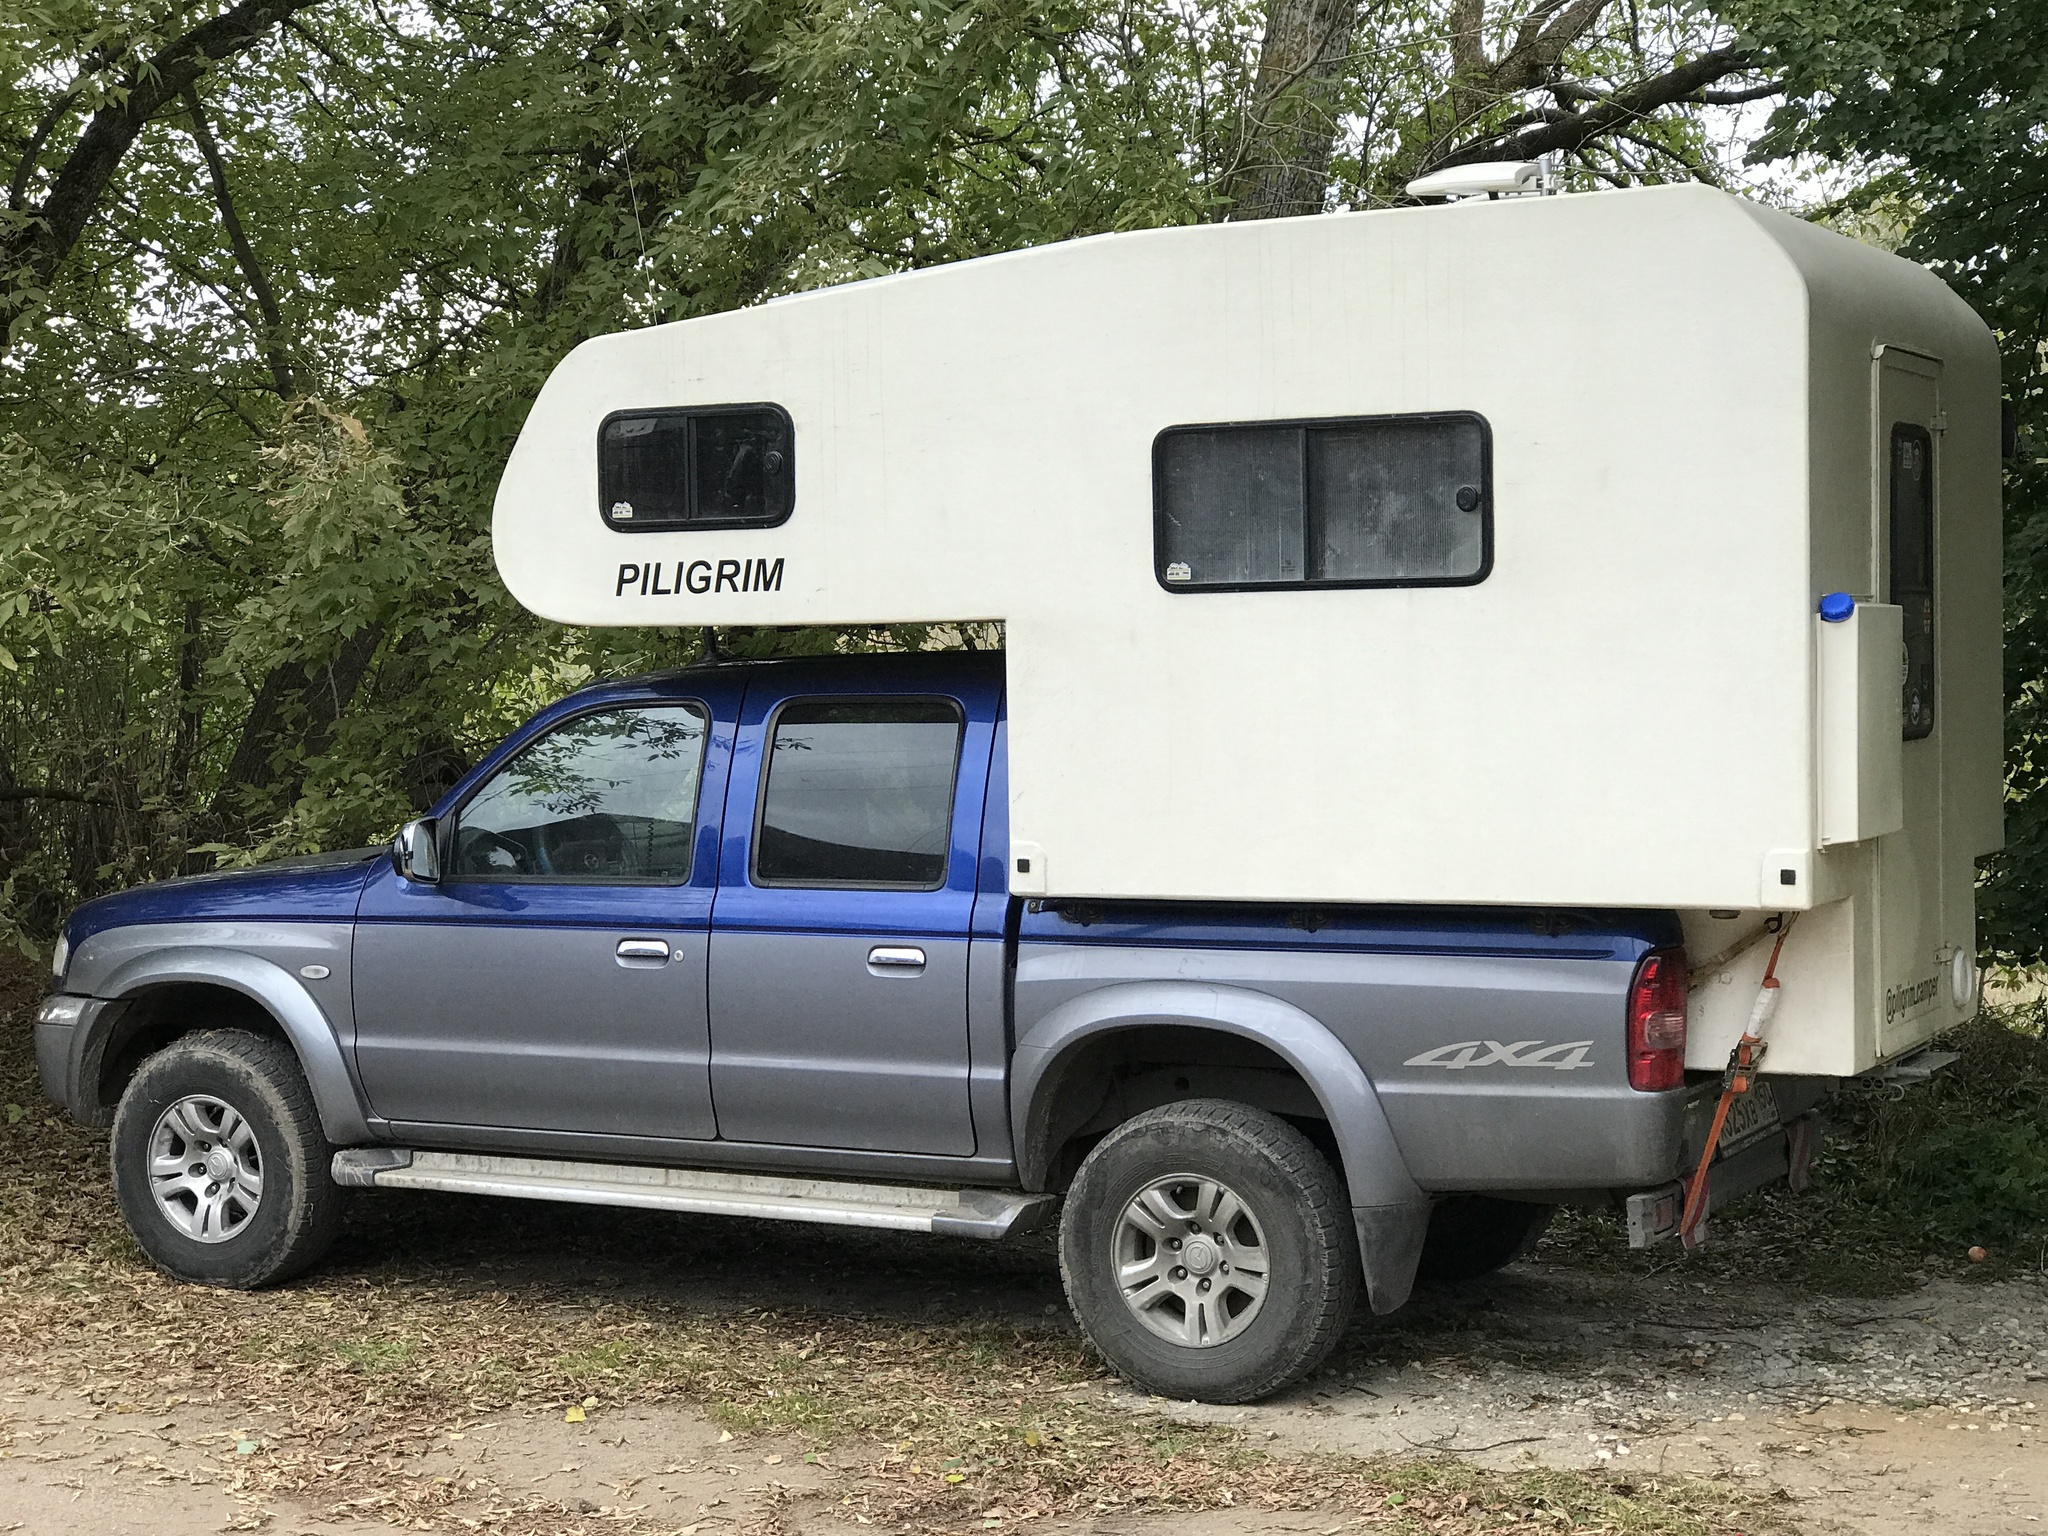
point(587, 846)
point(485, 853)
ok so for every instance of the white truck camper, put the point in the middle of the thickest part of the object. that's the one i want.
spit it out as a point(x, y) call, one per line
point(1623, 550)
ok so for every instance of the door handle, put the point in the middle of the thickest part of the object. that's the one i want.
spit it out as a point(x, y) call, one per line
point(642, 949)
point(896, 957)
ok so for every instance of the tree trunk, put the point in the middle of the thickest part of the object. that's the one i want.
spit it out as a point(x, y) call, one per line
point(1283, 164)
point(191, 668)
point(291, 719)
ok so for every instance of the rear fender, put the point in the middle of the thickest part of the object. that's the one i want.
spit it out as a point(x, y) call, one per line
point(1391, 1210)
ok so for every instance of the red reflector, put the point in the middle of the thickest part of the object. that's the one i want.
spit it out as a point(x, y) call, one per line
point(1656, 1022)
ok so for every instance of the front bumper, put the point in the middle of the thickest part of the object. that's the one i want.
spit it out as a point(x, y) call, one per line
point(65, 1032)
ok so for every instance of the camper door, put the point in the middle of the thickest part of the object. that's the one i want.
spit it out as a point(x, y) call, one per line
point(1912, 888)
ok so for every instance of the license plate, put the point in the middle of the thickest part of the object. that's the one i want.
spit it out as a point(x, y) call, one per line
point(1753, 1116)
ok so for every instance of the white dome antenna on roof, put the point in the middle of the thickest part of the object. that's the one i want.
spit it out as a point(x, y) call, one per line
point(1485, 178)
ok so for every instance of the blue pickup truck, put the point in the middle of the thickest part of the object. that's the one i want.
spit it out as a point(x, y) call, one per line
point(738, 938)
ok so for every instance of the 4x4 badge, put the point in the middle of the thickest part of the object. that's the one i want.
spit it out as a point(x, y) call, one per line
point(1522, 1053)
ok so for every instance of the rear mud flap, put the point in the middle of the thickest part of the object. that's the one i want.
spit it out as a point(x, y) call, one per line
point(1390, 1241)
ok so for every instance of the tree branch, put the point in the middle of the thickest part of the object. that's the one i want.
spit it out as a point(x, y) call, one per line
point(1737, 98)
point(1605, 116)
point(32, 151)
point(15, 792)
point(245, 253)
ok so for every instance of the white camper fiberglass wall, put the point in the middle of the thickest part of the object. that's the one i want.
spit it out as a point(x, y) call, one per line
point(1496, 580)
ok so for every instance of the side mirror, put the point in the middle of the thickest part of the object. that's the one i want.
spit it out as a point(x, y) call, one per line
point(414, 853)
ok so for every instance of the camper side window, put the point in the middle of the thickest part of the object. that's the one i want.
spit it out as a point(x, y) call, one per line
point(709, 467)
point(1386, 501)
point(1912, 495)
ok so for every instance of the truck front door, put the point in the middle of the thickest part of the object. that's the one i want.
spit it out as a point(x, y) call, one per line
point(839, 946)
point(553, 980)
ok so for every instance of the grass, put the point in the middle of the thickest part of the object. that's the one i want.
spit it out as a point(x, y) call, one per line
point(958, 1405)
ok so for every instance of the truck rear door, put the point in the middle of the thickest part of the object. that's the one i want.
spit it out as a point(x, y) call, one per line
point(839, 945)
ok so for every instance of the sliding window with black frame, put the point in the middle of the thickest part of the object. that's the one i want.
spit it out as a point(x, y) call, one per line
point(1363, 501)
point(1912, 562)
point(713, 466)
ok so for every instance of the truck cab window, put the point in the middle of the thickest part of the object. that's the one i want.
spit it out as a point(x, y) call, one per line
point(607, 798)
point(1912, 553)
point(1363, 502)
point(859, 793)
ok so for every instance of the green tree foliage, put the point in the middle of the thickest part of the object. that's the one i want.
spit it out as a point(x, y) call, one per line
point(1943, 107)
point(279, 279)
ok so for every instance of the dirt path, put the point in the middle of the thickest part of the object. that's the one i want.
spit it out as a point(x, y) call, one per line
point(1873, 1415)
point(1867, 1416)
point(73, 1469)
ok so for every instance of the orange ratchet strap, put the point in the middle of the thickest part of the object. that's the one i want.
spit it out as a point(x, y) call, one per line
point(1736, 1080)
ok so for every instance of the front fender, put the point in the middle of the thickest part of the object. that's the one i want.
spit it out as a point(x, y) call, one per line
point(1391, 1209)
point(281, 995)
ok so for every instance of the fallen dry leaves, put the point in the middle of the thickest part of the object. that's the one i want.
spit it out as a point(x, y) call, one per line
point(411, 1334)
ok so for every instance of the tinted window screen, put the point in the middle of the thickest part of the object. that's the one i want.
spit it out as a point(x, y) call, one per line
point(1912, 495)
point(1230, 504)
point(1397, 501)
point(859, 793)
point(718, 467)
point(644, 464)
point(1384, 501)
point(609, 797)
point(737, 467)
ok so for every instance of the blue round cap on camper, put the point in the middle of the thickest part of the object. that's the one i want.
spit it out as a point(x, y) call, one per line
point(1837, 606)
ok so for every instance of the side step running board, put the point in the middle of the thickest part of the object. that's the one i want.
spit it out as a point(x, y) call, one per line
point(984, 1213)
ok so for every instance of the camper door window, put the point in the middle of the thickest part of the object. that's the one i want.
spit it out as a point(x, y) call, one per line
point(1372, 501)
point(725, 466)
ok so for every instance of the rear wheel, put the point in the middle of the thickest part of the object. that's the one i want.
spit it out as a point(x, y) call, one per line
point(1208, 1251)
point(1474, 1235)
point(219, 1163)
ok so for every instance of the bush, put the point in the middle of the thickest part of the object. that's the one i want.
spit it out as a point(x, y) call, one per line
point(1983, 1182)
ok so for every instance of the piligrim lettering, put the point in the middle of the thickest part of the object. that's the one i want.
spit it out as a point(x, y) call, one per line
point(663, 579)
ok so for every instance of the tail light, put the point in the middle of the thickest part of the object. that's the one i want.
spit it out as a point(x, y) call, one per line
point(1656, 1022)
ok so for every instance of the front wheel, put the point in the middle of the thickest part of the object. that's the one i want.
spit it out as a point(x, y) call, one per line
point(1209, 1253)
point(219, 1162)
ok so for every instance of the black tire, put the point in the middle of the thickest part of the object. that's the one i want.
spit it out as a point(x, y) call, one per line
point(1474, 1235)
point(1299, 1213)
point(295, 1211)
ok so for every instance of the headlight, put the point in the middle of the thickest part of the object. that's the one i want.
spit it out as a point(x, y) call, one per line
point(61, 956)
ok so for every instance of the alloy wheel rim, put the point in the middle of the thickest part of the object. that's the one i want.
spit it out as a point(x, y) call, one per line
point(205, 1169)
point(1191, 1260)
